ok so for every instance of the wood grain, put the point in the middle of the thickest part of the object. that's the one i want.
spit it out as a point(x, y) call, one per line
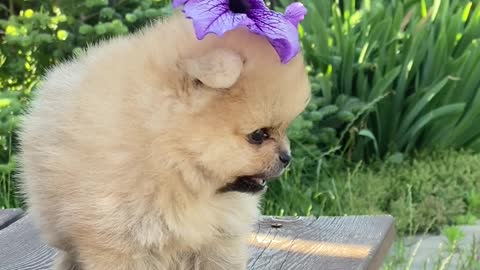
point(21, 248)
point(327, 243)
point(9, 216)
point(342, 243)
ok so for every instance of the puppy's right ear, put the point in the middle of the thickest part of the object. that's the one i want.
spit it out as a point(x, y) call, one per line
point(220, 68)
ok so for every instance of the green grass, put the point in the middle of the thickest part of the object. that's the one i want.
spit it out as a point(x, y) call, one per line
point(425, 193)
point(466, 257)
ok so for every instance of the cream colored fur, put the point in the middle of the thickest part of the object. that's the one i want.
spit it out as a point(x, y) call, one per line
point(125, 147)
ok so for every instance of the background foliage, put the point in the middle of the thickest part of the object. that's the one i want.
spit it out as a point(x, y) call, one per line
point(391, 79)
point(36, 35)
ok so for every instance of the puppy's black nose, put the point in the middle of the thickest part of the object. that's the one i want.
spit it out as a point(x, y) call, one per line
point(285, 158)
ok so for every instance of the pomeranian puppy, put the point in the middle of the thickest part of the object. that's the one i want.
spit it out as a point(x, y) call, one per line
point(151, 151)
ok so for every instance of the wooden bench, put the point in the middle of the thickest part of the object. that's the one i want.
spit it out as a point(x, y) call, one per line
point(326, 243)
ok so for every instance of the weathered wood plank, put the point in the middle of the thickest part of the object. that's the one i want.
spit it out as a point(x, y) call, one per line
point(324, 243)
point(21, 248)
point(9, 216)
point(327, 243)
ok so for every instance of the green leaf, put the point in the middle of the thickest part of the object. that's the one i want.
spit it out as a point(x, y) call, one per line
point(368, 134)
point(100, 29)
point(11, 30)
point(380, 88)
point(5, 102)
point(411, 135)
point(345, 116)
point(130, 17)
point(107, 13)
point(423, 9)
point(85, 29)
point(420, 105)
point(347, 66)
point(62, 35)
point(43, 38)
point(28, 13)
point(96, 3)
point(152, 13)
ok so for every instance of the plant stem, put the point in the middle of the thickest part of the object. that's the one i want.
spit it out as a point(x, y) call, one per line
point(11, 7)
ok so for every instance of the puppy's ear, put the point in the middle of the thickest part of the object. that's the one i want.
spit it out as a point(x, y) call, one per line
point(220, 68)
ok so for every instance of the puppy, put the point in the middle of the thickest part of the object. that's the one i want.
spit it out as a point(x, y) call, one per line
point(151, 151)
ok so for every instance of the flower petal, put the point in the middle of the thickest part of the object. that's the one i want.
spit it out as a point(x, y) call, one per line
point(257, 4)
point(280, 31)
point(213, 16)
point(177, 3)
point(295, 13)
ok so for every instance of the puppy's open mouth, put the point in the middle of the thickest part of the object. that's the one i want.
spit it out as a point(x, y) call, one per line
point(246, 184)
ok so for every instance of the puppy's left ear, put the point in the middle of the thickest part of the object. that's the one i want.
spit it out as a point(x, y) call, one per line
point(220, 68)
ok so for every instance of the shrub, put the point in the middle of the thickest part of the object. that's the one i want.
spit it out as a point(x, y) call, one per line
point(39, 34)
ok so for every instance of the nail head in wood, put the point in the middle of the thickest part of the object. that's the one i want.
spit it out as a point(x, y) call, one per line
point(277, 225)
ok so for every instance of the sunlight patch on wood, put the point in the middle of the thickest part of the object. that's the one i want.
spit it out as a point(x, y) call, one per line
point(310, 247)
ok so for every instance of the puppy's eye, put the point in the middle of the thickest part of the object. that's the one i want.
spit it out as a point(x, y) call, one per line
point(258, 136)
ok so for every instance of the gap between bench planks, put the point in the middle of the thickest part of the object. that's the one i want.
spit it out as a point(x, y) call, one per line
point(325, 243)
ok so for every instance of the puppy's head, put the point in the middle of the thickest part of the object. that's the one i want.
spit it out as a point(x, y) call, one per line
point(241, 100)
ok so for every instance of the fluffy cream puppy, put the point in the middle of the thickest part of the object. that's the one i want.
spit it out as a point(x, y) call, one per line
point(151, 151)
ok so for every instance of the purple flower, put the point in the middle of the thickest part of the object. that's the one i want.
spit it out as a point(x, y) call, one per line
point(220, 16)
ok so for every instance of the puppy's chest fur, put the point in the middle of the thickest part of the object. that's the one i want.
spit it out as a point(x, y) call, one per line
point(204, 222)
